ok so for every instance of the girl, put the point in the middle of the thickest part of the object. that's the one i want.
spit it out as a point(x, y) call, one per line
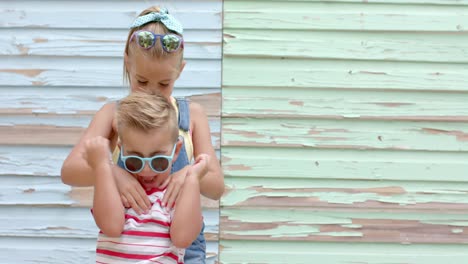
point(153, 60)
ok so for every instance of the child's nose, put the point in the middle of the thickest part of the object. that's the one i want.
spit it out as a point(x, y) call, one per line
point(147, 171)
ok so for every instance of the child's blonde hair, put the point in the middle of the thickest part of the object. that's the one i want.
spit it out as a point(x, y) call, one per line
point(157, 51)
point(145, 111)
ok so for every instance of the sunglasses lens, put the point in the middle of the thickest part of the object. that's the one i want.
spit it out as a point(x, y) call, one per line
point(160, 164)
point(145, 39)
point(171, 42)
point(133, 164)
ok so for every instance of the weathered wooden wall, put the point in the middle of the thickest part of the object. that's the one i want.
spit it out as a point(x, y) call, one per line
point(60, 61)
point(345, 131)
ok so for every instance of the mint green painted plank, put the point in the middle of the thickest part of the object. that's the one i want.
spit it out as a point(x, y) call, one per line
point(328, 103)
point(349, 194)
point(400, 2)
point(277, 132)
point(275, 252)
point(343, 16)
point(397, 46)
point(352, 226)
point(265, 72)
point(342, 164)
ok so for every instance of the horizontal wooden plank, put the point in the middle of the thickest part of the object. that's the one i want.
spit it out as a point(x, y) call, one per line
point(83, 198)
point(36, 191)
point(61, 250)
point(44, 135)
point(98, 14)
point(20, 160)
point(199, 44)
point(32, 160)
point(355, 195)
point(53, 222)
point(265, 72)
point(400, 2)
point(280, 252)
point(355, 134)
point(342, 16)
point(48, 103)
point(93, 72)
point(426, 47)
point(338, 226)
point(344, 164)
point(344, 104)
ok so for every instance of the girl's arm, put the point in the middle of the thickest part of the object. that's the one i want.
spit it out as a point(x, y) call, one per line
point(75, 169)
point(212, 184)
point(77, 172)
point(187, 219)
point(108, 211)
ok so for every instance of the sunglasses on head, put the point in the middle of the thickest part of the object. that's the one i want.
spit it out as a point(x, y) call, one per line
point(147, 39)
point(157, 163)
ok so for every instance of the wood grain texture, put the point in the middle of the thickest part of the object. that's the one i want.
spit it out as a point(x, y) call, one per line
point(340, 253)
point(201, 44)
point(360, 16)
point(343, 45)
point(350, 134)
point(347, 103)
point(119, 15)
point(328, 74)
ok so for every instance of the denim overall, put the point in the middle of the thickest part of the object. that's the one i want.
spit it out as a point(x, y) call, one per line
point(196, 253)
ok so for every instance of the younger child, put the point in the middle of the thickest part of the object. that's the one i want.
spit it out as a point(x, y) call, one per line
point(149, 141)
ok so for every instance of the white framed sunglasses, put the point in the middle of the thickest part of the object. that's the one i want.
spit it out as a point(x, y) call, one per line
point(157, 163)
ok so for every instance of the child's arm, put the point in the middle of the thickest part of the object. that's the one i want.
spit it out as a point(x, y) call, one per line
point(212, 183)
point(187, 219)
point(108, 211)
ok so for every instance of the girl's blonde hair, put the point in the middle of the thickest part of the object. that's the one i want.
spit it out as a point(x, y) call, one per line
point(145, 111)
point(157, 51)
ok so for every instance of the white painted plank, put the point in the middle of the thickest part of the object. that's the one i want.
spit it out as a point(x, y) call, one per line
point(103, 14)
point(34, 160)
point(62, 222)
point(41, 71)
point(21, 160)
point(199, 44)
point(57, 250)
point(66, 100)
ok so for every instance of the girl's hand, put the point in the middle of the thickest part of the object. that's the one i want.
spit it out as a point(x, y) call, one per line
point(131, 192)
point(174, 185)
point(176, 180)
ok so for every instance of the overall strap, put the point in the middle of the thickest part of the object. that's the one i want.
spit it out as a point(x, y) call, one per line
point(184, 114)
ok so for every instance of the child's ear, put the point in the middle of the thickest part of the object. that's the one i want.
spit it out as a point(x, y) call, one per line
point(179, 144)
point(126, 61)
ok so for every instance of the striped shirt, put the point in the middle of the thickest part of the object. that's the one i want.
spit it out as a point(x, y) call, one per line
point(145, 239)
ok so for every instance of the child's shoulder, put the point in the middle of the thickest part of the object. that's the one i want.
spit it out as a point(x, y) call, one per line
point(109, 107)
point(196, 109)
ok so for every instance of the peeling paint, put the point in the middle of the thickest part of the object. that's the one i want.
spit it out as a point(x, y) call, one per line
point(26, 72)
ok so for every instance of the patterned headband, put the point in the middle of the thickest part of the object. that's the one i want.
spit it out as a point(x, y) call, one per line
point(162, 16)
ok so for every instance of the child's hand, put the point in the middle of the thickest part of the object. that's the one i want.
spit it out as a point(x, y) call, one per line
point(174, 185)
point(200, 167)
point(97, 152)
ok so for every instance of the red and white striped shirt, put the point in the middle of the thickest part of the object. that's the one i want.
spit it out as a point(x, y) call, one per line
point(145, 239)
